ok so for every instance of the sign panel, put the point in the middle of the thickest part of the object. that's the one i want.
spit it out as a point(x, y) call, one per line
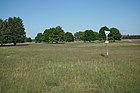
point(106, 33)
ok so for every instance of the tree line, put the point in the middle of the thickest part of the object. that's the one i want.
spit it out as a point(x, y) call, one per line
point(12, 31)
point(130, 36)
point(57, 34)
point(90, 35)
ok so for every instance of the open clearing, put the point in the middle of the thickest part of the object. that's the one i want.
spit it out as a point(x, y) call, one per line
point(70, 68)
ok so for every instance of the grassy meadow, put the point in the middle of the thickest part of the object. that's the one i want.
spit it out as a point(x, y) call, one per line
point(70, 68)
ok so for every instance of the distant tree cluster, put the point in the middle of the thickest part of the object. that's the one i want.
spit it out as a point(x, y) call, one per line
point(131, 37)
point(54, 35)
point(57, 34)
point(113, 35)
point(28, 39)
point(90, 35)
point(87, 35)
point(12, 31)
point(69, 37)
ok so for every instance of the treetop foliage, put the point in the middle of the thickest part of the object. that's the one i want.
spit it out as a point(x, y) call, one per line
point(12, 30)
point(113, 35)
point(55, 34)
point(79, 36)
point(69, 37)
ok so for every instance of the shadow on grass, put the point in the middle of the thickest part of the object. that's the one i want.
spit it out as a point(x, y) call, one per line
point(57, 43)
point(52, 83)
point(103, 55)
point(11, 45)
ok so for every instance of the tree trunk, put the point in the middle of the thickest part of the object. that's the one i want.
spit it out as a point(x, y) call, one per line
point(14, 43)
point(13, 40)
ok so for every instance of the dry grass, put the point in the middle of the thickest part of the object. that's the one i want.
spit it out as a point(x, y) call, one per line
point(70, 68)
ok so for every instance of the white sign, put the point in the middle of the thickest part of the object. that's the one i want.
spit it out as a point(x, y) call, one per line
point(106, 33)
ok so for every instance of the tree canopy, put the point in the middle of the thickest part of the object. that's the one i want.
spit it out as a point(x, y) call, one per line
point(28, 39)
point(89, 35)
point(39, 38)
point(69, 37)
point(114, 34)
point(12, 31)
point(55, 34)
point(79, 36)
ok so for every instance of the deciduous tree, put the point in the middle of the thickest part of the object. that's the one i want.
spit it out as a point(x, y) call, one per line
point(28, 39)
point(79, 36)
point(89, 35)
point(55, 34)
point(17, 30)
point(39, 38)
point(114, 34)
point(69, 37)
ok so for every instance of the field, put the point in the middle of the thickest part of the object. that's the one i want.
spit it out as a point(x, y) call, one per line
point(70, 68)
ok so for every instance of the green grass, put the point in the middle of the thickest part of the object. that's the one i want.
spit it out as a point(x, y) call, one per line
point(70, 68)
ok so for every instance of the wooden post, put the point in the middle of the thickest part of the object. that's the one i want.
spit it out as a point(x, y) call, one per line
point(106, 42)
point(107, 49)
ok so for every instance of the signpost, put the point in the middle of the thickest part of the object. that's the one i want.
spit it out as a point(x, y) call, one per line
point(106, 42)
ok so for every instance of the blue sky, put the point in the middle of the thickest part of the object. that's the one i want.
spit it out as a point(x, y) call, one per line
point(74, 15)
